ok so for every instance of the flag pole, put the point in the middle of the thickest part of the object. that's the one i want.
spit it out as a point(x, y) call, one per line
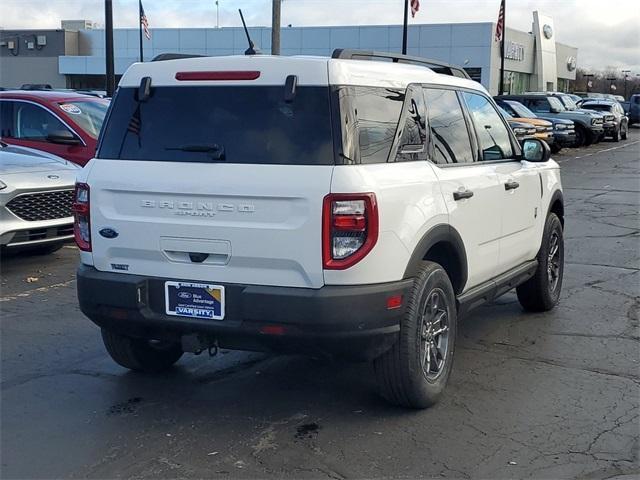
point(504, 34)
point(405, 27)
point(140, 29)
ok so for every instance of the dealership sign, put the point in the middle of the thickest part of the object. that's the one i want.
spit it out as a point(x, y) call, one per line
point(514, 51)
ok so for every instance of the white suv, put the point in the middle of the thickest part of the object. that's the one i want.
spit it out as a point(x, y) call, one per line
point(318, 205)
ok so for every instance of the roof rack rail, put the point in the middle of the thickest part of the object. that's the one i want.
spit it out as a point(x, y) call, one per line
point(435, 65)
point(174, 56)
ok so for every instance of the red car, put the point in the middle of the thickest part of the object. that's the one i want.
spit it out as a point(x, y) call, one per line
point(66, 124)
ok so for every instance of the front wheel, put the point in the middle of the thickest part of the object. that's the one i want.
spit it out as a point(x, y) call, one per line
point(581, 136)
point(414, 372)
point(616, 134)
point(555, 148)
point(141, 355)
point(542, 291)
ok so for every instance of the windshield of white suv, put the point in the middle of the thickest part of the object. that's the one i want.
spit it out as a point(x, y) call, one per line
point(221, 124)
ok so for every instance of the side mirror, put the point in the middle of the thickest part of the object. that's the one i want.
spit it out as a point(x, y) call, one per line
point(63, 137)
point(535, 150)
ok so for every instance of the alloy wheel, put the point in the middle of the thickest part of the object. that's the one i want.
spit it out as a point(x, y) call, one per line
point(553, 262)
point(434, 335)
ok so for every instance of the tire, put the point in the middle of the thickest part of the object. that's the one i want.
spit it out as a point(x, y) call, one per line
point(542, 291)
point(616, 135)
point(400, 372)
point(625, 131)
point(581, 136)
point(140, 355)
point(555, 148)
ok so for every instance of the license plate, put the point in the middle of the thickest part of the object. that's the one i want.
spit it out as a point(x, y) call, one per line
point(194, 300)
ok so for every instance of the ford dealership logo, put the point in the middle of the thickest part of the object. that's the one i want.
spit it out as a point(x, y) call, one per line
point(184, 295)
point(548, 31)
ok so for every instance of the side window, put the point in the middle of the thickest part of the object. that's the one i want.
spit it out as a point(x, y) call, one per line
point(449, 133)
point(6, 119)
point(540, 105)
point(493, 136)
point(377, 111)
point(34, 123)
point(412, 130)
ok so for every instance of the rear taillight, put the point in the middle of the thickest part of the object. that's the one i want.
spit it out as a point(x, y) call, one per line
point(81, 213)
point(349, 228)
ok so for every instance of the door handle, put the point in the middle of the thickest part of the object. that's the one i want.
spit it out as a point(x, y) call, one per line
point(459, 195)
point(511, 185)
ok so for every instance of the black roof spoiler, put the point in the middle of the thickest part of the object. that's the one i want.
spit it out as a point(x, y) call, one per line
point(174, 56)
point(435, 65)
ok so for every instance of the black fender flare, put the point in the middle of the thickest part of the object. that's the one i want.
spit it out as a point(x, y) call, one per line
point(437, 234)
point(557, 196)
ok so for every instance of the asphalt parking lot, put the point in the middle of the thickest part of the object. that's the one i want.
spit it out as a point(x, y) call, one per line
point(552, 395)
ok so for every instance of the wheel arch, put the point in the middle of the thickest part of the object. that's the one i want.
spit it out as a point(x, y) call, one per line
point(556, 205)
point(442, 244)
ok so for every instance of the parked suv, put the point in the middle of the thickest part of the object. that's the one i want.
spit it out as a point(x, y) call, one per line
point(564, 133)
point(589, 125)
point(312, 205)
point(634, 109)
point(611, 108)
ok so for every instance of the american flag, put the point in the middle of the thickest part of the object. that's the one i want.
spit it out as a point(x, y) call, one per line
point(144, 22)
point(500, 24)
point(415, 6)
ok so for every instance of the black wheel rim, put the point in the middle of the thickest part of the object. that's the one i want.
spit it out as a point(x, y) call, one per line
point(434, 335)
point(554, 262)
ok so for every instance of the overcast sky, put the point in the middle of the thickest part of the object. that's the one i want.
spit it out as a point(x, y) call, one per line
point(607, 33)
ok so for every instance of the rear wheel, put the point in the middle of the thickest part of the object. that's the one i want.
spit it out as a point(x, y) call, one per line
point(414, 372)
point(542, 291)
point(555, 148)
point(139, 354)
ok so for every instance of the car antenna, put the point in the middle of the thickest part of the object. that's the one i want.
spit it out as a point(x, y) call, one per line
point(252, 50)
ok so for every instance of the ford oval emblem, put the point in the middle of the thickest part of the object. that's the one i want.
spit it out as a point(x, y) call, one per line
point(184, 295)
point(108, 233)
point(53, 177)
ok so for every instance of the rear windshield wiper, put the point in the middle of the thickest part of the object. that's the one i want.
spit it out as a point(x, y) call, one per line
point(216, 151)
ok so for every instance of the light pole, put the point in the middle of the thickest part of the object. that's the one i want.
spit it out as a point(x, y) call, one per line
point(217, 14)
point(275, 27)
point(108, 43)
point(626, 76)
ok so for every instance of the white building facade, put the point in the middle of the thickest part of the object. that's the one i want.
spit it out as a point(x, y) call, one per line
point(533, 61)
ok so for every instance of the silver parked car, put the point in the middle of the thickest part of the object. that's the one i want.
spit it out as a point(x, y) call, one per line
point(36, 195)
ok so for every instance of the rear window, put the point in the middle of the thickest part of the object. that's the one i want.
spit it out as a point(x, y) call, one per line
point(227, 124)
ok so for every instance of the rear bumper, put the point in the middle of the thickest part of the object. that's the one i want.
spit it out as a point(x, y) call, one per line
point(344, 321)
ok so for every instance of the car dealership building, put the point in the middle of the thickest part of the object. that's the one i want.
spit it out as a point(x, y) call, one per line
point(74, 56)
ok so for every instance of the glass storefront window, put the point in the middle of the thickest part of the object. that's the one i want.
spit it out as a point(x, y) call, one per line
point(516, 82)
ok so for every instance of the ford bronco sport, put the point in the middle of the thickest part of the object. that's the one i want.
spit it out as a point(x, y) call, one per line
point(328, 206)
